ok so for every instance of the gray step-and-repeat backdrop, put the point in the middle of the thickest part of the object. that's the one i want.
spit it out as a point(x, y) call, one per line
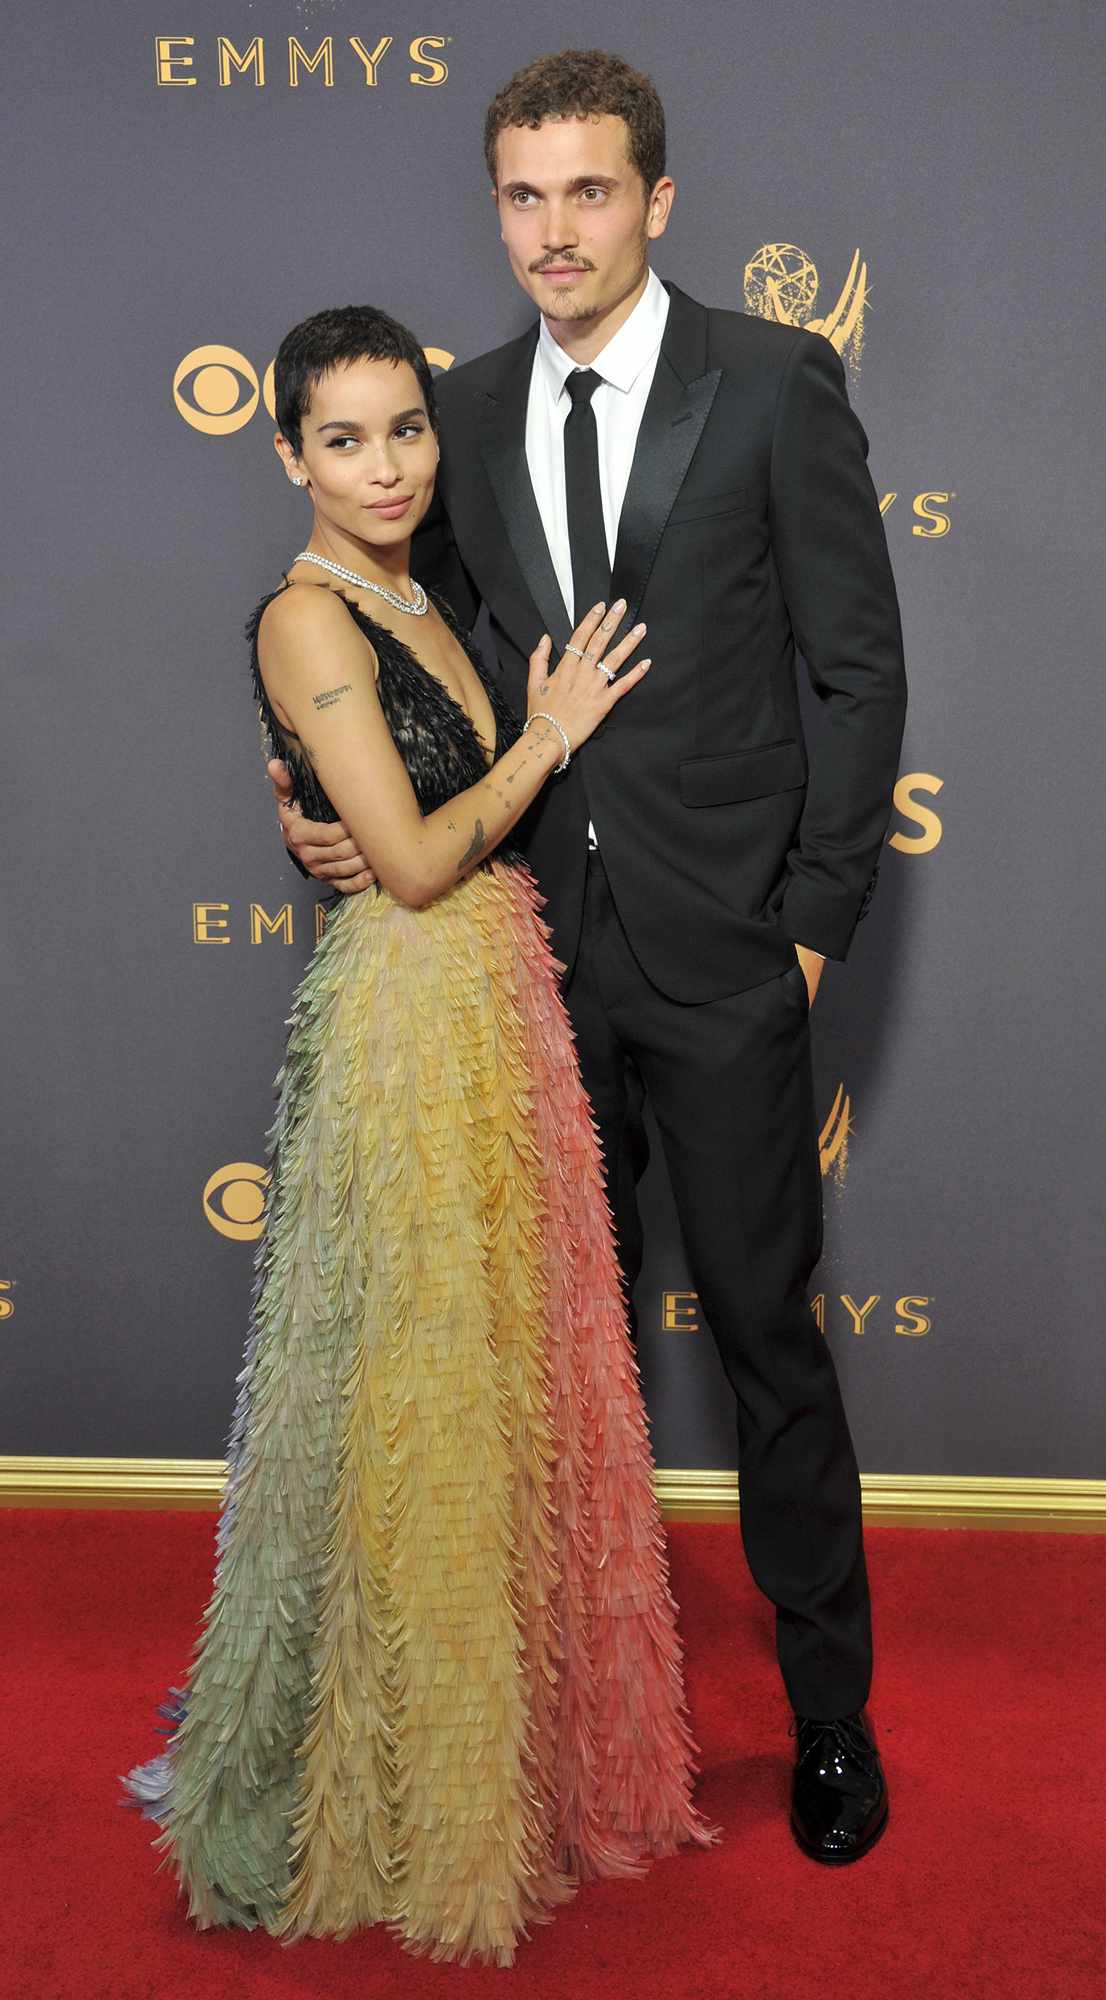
point(183, 183)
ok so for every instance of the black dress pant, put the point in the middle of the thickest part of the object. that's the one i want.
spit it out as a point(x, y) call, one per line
point(730, 1085)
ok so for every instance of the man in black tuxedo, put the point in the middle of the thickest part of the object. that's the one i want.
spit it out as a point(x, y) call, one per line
point(700, 470)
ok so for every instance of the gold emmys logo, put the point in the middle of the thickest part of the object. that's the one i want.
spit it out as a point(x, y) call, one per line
point(239, 1190)
point(923, 817)
point(211, 923)
point(931, 521)
point(174, 64)
point(910, 1323)
point(680, 1313)
point(216, 389)
point(781, 283)
point(7, 1306)
point(833, 1139)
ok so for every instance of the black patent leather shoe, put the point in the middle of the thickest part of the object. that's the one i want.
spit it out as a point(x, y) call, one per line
point(838, 1793)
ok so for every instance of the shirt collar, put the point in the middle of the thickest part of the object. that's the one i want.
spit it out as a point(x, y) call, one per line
point(621, 361)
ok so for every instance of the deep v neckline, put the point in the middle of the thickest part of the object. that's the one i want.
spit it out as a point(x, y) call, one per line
point(409, 654)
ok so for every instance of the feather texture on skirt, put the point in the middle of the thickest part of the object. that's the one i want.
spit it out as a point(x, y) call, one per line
point(438, 1683)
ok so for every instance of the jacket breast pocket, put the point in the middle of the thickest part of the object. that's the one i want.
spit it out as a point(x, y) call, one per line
point(734, 775)
point(704, 506)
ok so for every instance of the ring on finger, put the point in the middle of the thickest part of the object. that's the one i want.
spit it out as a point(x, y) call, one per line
point(570, 648)
point(606, 670)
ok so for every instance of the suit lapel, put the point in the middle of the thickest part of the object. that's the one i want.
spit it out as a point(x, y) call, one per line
point(501, 426)
point(678, 407)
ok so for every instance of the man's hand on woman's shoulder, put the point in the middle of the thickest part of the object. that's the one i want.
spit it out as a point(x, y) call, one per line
point(322, 848)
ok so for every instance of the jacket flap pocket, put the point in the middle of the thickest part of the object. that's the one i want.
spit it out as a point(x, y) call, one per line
point(702, 506)
point(743, 774)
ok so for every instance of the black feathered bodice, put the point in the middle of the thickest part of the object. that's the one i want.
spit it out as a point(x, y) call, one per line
point(433, 734)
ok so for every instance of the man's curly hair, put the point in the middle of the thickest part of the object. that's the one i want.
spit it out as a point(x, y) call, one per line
point(582, 83)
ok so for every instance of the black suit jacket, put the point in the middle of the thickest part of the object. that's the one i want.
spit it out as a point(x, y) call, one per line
point(750, 531)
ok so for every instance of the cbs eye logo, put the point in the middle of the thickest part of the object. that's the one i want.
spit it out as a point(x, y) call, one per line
point(216, 389)
point(234, 1200)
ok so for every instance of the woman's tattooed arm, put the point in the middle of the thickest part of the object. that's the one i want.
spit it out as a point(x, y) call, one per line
point(474, 849)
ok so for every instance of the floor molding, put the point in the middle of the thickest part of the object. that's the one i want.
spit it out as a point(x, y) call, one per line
point(922, 1500)
point(917, 1500)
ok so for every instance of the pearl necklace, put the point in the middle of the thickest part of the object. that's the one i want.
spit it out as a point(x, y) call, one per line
point(417, 609)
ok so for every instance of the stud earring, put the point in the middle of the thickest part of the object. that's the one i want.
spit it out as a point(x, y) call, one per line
point(299, 482)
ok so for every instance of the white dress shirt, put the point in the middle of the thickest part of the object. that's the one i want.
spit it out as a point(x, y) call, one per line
point(626, 367)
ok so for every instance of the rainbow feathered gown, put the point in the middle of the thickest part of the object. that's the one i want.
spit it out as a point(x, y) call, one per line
point(438, 1682)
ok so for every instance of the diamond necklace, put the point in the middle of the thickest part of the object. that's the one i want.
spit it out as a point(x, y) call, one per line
point(417, 608)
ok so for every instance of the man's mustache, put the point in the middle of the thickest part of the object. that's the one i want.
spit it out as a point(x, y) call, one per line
point(554, 263)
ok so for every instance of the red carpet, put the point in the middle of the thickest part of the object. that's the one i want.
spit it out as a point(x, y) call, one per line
point(990, 1701)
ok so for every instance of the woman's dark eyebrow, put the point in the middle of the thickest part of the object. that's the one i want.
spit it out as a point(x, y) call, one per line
point(339, 424)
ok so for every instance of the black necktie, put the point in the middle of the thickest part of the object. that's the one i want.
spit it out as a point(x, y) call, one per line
point(587, 537)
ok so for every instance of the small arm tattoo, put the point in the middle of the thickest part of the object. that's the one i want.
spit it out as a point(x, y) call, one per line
point(474, 847)
point(329, 696)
